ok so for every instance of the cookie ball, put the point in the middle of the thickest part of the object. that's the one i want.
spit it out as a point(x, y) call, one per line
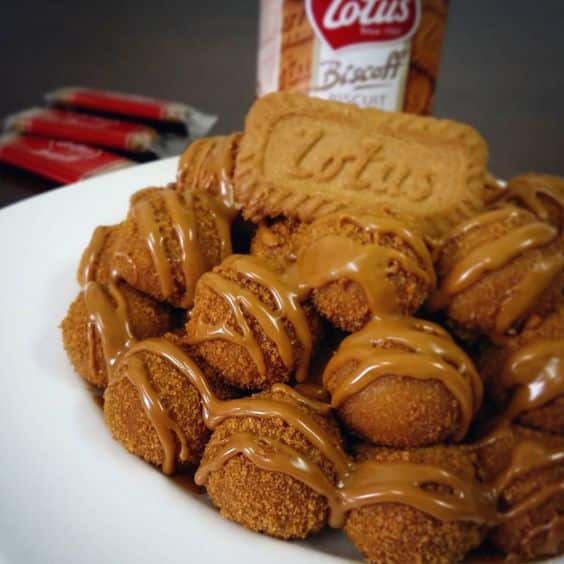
point(103, 320)
point(168, 241)
point(527, 468)
point(403, 382)
point(524, 374)
point(398, 532)
point(152, 408)
point(256, 495)
point(498, 269)
point(358, 266)
point(250, 326)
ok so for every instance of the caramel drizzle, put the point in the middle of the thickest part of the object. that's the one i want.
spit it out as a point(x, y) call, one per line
point(214, 172)
point(495, 188)
point(535, 376)
point(365, 484)
point(528, 192)
point(243, 302)
point(214, 410)
point(239, 300)
point(334, 257)
point(134, 271)
point(370, 482)
point(150, 232)
point(553, 532)
point(357, 484)
point(526, 294)
point(193, 262)
point(107, 317)
point(527, 455)
point(483, 219)
point(222, 218)
point(91, 254)
point(316, 405)
point(432, 355)
point(315, 392)
point(183, 217)
point(167, 430)
point(221, 165)
point(497, 254)
point(287, 302)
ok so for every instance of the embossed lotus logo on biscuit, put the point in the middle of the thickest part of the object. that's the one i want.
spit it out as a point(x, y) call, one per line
point(342, 23)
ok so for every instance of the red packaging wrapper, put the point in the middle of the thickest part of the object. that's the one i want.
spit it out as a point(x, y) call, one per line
point(61, 124)
point(198, 123)
point(62, 161)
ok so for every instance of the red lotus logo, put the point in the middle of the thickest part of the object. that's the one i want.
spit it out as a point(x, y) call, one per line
point(346, 22)
point(67, 151)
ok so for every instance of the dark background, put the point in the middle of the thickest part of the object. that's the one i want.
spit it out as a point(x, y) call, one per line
point(502, 68)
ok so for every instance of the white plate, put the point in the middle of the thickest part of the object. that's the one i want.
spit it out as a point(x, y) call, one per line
point(69, 493)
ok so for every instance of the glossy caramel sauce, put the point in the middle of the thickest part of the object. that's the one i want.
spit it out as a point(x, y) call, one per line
point(357, 484)
point(496, 254)
point(431, 355)
point(180, 208)
point(364, 483)
point(91, 254)
point(535, 371)
point(212, 171)
point(534, 375)
point(334, 257)
point(107, 318)
point(243, 302)
point(534, 192)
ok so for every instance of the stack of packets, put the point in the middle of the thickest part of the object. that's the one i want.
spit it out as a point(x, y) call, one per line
point(68, 141)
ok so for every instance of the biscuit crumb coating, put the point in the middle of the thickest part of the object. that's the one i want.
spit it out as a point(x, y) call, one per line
point(133, 259)
point(269, 502)
point(474, 310)
point(513, 537)
point(128, 422)
point(395, 533)
point(233, 361)
point(342, 302)
point(147, 318)
point(548, 417)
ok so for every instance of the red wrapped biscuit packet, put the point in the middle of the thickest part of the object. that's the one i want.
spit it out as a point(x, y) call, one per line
point(83, 128)
point(198, 123)
point(62, 161)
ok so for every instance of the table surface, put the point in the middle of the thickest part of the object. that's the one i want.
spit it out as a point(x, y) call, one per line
point(501, 69)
